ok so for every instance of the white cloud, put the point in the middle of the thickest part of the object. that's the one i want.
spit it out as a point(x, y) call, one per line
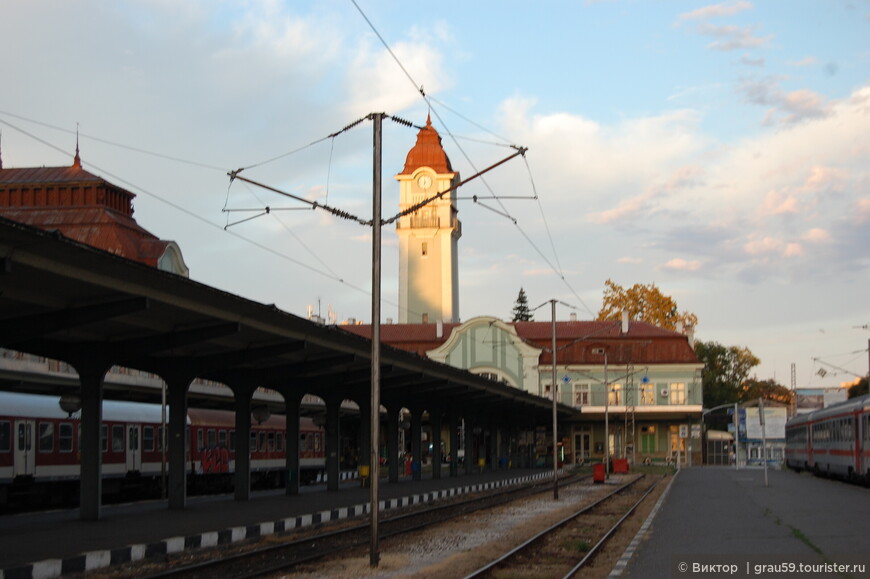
point(816, 235)
point(715, 11)
point(732, 37)
point(681, 264)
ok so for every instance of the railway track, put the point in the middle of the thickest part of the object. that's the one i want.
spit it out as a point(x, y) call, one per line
point(566, 547)
point(281, 554)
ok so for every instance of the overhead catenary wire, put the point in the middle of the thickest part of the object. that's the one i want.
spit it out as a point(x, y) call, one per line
point(198, 217)
point(504, 211)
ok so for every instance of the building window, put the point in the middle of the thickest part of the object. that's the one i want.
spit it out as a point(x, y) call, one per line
point(614, 397)
point(581, 394)
point(677, 443)
point(677, 393)
point(648, 393)
point(46, 437)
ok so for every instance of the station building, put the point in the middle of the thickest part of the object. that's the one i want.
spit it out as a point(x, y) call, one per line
point(632, 385)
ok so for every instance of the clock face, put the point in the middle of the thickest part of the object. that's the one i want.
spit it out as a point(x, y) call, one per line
point(424, 181)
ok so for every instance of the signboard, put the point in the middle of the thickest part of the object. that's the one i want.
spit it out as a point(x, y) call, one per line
point(684, 431)
point(774, 423)
point(696, 431)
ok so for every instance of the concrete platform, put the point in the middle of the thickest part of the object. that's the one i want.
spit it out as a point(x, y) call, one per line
point(722, 516)
point(53, 543)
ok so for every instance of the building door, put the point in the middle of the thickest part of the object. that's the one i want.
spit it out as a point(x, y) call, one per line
point(648, 439)
point(582, 446)
point(134, 448)
point(25, 453)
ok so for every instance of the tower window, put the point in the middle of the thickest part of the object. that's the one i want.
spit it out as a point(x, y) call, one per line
point(425, 248)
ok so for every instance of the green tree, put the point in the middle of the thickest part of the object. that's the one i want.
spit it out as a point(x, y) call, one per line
point(859, 388)
point(753, 389)
point(645, 303)
point(521, 312)
point(725, 370)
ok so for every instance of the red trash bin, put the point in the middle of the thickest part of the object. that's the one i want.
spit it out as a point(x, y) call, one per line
point(598, 473)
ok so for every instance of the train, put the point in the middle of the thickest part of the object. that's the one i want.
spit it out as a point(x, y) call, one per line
point(40, 451)
point(832, 441)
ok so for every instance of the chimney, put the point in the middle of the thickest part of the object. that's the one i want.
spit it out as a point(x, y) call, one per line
point(679, 326)
point(425, 318)
point(573, 316)
point(624, 321)
point(690, 333)
point(389, 320)
point(439, 329)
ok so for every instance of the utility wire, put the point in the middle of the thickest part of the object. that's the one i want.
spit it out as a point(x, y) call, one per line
point(197, 217)
point(504, 211)
point(112, 143)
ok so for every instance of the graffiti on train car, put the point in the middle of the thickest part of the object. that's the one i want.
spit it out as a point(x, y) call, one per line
point(214, 460)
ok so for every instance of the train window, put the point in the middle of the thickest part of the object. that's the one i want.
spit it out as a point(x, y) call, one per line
point(222, 438)
point(253, 447)
point(148, 439)
point(5, 436)
point(262, 441)
point(104, 437)
point(271, 439)
point(317, 441)
point(279, 442)
point(46, 437)
point(199, 441)
point(212, 438)
point(65, 437)
point(232, 440)
point(118, 438)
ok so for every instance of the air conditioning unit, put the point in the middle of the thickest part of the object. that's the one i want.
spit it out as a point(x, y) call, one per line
point(664, 392)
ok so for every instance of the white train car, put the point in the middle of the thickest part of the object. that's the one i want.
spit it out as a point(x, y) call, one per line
point(832, 441)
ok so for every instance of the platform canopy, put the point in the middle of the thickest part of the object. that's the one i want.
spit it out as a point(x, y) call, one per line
point(70, 302)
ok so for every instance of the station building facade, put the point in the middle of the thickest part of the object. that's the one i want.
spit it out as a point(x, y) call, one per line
point(633, 385)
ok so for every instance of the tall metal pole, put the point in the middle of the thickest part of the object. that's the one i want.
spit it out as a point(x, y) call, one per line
point(763, 438)
point(374, 556)
point(555, 420)
point(606, 421)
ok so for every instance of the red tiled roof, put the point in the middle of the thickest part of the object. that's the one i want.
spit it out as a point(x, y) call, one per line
point(428, 152)
point(39, 175)
point(575, 341)
point(81, 206)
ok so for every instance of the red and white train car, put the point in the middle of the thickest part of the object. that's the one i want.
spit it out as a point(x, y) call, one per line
point(40, 447)
point(833, 441)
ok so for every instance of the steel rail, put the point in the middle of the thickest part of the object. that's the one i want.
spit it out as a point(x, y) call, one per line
point(486, 569)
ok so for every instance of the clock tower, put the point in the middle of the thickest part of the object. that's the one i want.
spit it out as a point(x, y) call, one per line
point(428, 237)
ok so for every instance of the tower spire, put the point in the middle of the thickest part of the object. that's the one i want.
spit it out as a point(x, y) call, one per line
point(77, 161)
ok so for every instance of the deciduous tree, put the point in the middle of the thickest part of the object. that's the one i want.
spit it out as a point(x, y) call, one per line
point(753, 389)
point(725, 370)
point(645, 303)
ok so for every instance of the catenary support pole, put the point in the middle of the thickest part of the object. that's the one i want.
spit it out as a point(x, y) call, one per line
point(377, 118)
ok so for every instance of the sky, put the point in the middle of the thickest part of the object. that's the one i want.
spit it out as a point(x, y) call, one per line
point(717, 150)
